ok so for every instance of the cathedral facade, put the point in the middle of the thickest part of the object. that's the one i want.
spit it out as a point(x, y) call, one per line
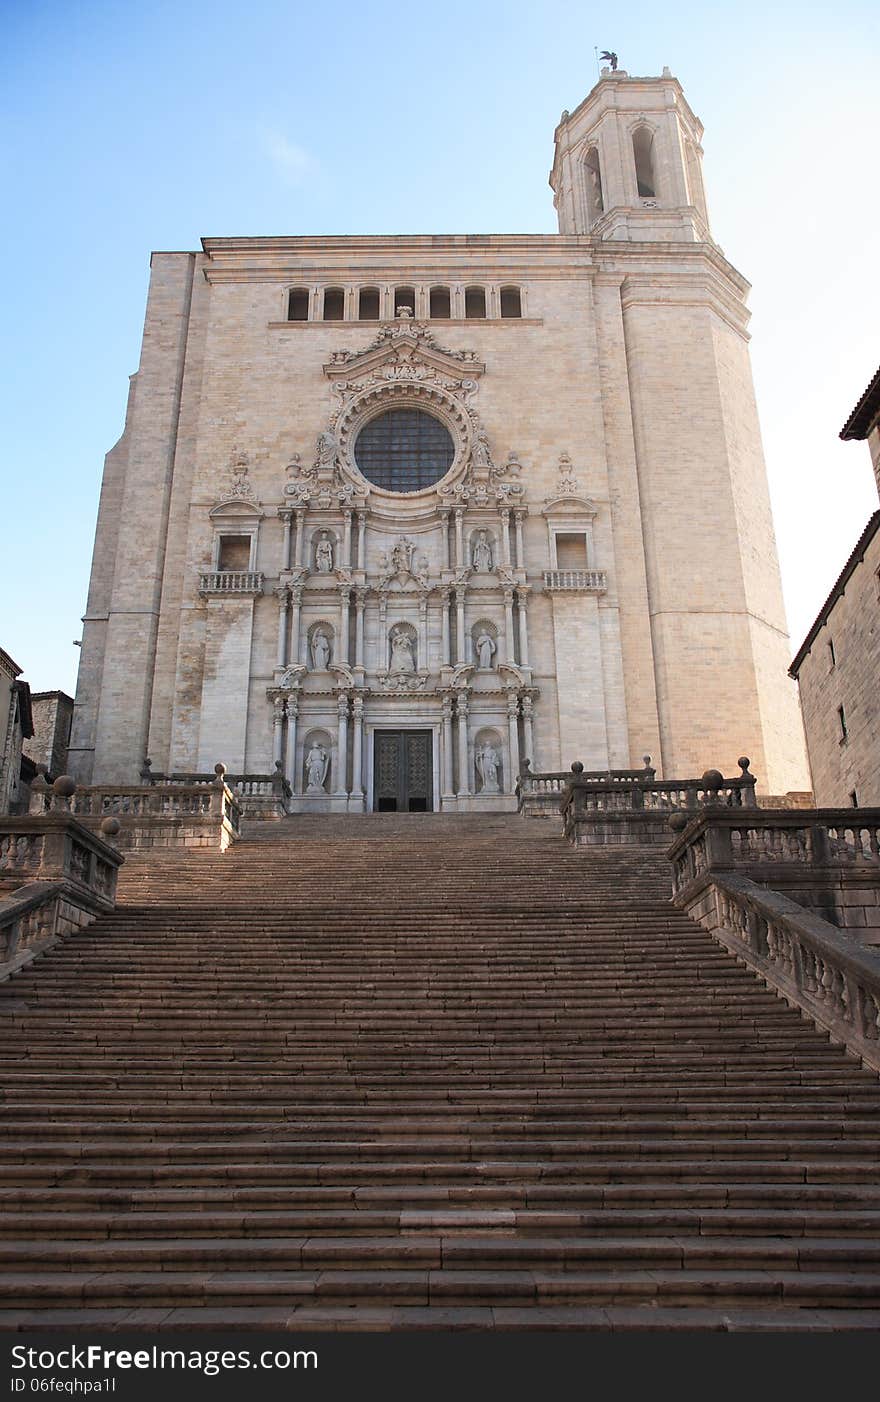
point(399, 513)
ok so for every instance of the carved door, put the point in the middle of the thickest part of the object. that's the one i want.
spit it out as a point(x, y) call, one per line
point(403, 771)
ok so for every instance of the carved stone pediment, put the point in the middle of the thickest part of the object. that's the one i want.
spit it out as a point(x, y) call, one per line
point(574, 503)
point(405, 351)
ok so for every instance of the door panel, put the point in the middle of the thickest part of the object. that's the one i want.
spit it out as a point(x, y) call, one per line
point(403, 771)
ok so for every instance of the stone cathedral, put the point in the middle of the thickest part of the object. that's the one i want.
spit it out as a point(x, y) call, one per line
point(396, 514)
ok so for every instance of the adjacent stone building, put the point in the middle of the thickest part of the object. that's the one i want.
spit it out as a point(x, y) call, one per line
point(16, 728)
point(395, 513)
point(837, 666)
point(52, 713)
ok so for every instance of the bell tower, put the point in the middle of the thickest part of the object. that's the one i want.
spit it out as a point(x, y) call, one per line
point(628, 163)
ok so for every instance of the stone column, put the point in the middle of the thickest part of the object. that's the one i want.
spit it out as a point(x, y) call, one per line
point(513, 739)
point(460, 594)
point(448, 790)
point(346, 539)
point(278, 729)
point(528, 729)
point(300, 527)
point(508, 625)
point(522, 594)
point(520, 551)
point(444, 620)
point(357, 750)
point(464, 758)
point(460, 561)
point(423, 632)
point(362, 540)
point(296, 595)
point(444, 519)
point(285, 514)
point(345, 600)
point(290, 766)
point(360, 601)
point(282, 594)
point(342, 746)
point(505, 537)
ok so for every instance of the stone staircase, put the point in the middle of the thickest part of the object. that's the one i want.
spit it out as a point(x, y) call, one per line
point(423, 1071)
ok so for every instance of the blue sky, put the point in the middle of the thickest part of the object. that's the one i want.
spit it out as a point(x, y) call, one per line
point(130, 128)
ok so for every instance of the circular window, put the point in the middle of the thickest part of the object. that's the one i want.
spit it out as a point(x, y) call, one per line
point(404, 450)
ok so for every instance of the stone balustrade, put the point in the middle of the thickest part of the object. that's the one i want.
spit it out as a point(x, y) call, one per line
point(826, 860)
point(231, 582)
point(630, 809)
point(576, 581)
point(813, 965)
point(539, 794)
point(159, 815)
point(258, 795)
point(56, 876)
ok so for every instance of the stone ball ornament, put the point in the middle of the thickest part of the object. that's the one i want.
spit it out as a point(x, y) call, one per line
point(64, 786)
point(110, 827)
point(677, 822)
point(712, 779)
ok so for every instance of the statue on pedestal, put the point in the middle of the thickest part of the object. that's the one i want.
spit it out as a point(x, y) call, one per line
point(317, 761)
point(488, 762)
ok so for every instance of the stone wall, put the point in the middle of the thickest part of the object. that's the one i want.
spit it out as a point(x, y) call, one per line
point(52, 713)
point(842, 765)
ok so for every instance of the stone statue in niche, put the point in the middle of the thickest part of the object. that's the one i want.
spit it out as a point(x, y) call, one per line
point(320, 650)
point(324, 555)
point(317, 761)
point(488, 762)
point(402, 659)
point(482, 554)
point(484, 645)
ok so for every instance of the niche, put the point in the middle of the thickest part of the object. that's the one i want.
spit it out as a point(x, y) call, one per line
point(402, 648)
point(320, 646)
point(317, 753)
point(488, 762)
point(482, 551)
point(484, 637)
point(325, 551)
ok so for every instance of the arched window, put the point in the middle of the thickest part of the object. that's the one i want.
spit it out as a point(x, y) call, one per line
point(643, 153)
point(404, 297)
point(441, 305)
point(334, 304)
point(593, 175)
point(511, 301)
point(368, 304)
point(298, 304)
point(475, 303)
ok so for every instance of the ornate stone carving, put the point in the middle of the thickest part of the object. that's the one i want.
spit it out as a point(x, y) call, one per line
point(401, 565)
point(301, 483)
point(403, 681)
point(567, 482)
point(291, 676)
